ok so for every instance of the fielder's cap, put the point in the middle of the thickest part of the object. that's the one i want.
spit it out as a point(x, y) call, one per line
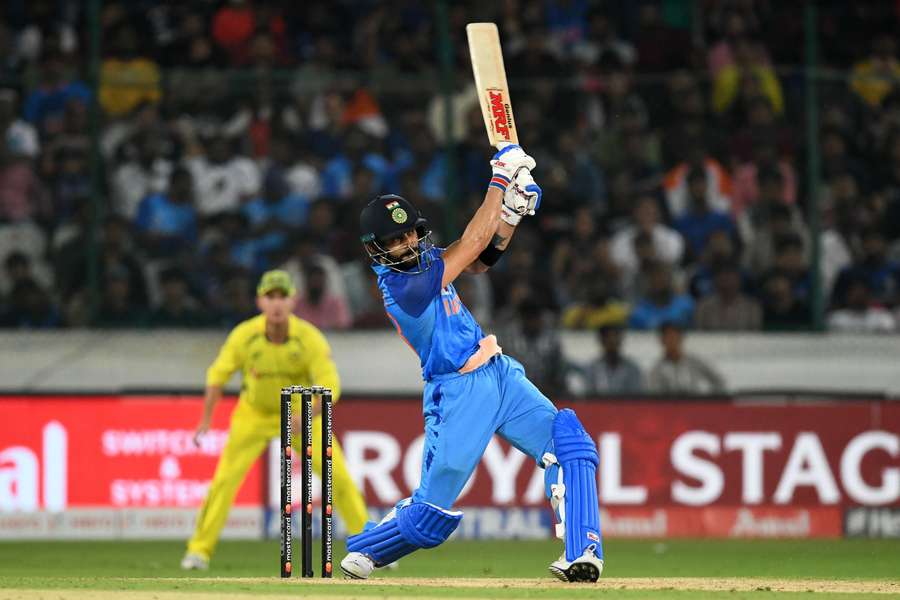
point(275, 280)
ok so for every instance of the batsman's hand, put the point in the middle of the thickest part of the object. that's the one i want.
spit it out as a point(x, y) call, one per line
point(509, 159)
point(523, 196)
point(202, 428)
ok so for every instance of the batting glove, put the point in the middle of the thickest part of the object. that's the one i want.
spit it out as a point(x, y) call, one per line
point(509, 159)
point(522, 197)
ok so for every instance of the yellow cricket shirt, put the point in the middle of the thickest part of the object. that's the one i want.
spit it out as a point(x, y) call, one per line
point(304, 359)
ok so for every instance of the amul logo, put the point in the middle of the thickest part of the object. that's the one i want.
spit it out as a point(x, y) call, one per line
point(500, 113)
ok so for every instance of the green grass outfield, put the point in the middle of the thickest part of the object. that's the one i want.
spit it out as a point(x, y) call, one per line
point(821, 569)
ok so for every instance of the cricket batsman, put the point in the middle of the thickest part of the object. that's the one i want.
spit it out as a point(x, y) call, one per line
point(272, 350)
point(472, 390)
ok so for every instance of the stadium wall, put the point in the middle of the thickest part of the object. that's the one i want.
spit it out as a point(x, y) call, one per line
point(379, 362)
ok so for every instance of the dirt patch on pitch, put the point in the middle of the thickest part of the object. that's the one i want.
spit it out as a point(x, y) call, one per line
point(651, 583)
point(632, 583)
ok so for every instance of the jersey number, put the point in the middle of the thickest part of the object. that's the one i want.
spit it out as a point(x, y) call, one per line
point(451, 305)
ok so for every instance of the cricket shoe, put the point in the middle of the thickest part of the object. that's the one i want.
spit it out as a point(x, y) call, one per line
point(357, 565)
point(194, 562)
point(586, 567)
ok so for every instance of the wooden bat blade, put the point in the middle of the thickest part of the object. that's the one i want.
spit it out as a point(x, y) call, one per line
point(490, 82)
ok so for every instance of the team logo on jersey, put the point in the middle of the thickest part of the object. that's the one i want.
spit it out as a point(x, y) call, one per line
point(392, 205)
point(399, 215)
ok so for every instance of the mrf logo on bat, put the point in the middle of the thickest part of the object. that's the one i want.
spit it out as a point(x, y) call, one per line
point(501, 113)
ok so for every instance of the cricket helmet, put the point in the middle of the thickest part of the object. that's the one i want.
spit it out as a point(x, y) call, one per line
point(387, 217)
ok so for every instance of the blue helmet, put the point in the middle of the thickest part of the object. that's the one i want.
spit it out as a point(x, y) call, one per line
point(388, 217)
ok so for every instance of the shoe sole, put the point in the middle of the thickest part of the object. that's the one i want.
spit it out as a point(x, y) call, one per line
point(349, 575)
point(579, 572)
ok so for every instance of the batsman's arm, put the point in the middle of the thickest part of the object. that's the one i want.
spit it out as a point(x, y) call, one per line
point(499, 242)
point(478, 233)
point(506, 163)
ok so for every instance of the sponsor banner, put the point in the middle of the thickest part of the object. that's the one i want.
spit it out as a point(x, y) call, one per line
point(655, 453)
point(721, 522)
point(84, 452)
point(125, 523)
point(872, 522)
point(117, 452)
point(479, 523)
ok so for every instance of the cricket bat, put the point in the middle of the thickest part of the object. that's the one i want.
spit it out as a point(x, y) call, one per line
point(490, 81)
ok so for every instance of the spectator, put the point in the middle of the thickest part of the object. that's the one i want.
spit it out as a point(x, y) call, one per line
point(768, 220)
point(617, 95)
point(764, 161)
point(223, 179)
point(698, 223)
point(167, 223)
point(748, 74)
point(298, 165)
point(237, 301)
point(782, 310)
point(145, 174)
point(30, 307)
point(602, 37)
point(613, 372)
point(320, 305)
point(304, 249)
point(720, 249)
point(128, 77)
point(177, 307)
point(719, 186)
point(19, 266)
point(19, 137)
point(791, 262)
point(727, 309)
point(860, 314)
point(22, 197)
point(678, 372)
point(876, 76)
point(116, 254)
point(532, 339)
point(661, 304)
point(117, 310)
point(881, 274)
point(45, 106)
point(598, 309)
point(667, 243)
point(275, 213)
point(67, 170)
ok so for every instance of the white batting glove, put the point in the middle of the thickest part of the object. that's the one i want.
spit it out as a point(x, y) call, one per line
point(522, 197)
point(509, 159)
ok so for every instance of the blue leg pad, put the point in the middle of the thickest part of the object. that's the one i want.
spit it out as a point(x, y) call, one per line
point(577, 456)
point(416, 525)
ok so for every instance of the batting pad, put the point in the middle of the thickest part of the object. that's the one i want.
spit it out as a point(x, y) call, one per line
point(417, 525)
point(577, 456)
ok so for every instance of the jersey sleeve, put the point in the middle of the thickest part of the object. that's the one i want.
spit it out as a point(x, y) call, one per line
point(229, 360)
point(413, 293)
point(319, 364)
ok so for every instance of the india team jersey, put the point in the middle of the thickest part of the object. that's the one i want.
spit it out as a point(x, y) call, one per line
point(432, 320)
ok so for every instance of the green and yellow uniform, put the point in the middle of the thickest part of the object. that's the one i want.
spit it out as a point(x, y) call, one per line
point(303, 359)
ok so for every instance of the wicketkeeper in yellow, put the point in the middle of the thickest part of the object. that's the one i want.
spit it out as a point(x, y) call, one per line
point(272, 350)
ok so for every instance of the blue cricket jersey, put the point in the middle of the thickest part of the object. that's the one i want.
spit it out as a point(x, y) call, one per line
point(433, 321)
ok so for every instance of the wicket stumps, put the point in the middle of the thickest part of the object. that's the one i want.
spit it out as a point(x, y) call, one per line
point(306, 454)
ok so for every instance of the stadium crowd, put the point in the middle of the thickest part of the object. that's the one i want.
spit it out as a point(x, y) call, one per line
point(239, 136)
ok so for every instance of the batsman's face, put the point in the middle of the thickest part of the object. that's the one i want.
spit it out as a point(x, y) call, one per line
point(276, 306)
point(402, 247)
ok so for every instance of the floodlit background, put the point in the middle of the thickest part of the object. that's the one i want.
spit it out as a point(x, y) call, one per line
point(729, 167)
